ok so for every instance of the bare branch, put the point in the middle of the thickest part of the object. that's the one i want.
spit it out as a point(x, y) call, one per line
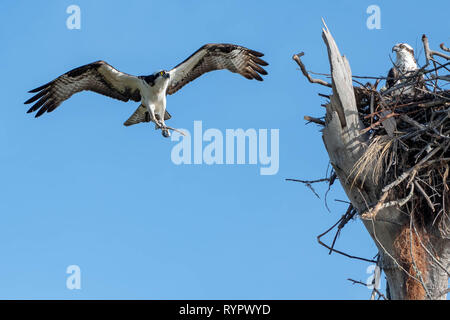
point(365, 284)
point(443, 47)
point(315, 120)
point(429, 54)
point(297, 59)
point(309, 183)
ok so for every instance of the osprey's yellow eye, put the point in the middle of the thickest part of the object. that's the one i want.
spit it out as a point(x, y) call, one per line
point(161, 73)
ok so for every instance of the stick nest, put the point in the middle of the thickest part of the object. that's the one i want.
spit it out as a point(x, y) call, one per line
point(408, 150)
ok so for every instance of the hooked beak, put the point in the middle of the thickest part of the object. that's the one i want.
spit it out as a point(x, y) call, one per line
point(395, 48)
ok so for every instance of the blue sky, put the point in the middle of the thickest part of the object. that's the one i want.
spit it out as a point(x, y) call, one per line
point(79, 188)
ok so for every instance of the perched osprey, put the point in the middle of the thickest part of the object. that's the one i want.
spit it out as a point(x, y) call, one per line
point(404, 66)
point(149, 90)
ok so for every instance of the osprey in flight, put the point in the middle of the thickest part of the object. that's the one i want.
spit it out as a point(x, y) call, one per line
point(404, 66)
point(149, 90)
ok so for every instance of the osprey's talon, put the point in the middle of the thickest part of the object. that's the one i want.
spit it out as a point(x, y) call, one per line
point(165, 132)
point(158, 124)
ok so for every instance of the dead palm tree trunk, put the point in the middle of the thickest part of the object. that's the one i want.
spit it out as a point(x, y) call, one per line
point(414, 252)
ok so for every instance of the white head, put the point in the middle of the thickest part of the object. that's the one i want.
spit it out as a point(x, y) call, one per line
point(157, 78)
point(162, 74)
point(404, 52)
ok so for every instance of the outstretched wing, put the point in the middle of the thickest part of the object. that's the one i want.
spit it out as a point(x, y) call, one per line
point(216, 57)
point(98, 76)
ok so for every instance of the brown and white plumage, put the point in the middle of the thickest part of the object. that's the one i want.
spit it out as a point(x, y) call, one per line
point(99, 77)
point(404, 66)
point(151, 90)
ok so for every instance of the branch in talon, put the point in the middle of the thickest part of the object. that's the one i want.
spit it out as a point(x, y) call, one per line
point(176, 130)
point(158, 125)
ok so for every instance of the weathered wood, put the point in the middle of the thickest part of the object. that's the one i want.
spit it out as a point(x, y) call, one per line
point(345, 145)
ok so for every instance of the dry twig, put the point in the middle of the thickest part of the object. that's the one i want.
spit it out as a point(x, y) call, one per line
point(297, 59)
